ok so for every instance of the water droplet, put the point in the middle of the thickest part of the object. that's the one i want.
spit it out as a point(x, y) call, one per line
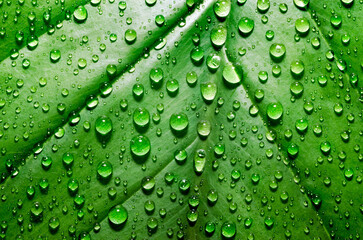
point(277, 52)
point(73, 186)
point(156, 77)
point(245, 26)
point(218, 36)
point(199, 161)
point(269, 222)
point(348, 173)
point(36, 212)
point(117, 216)
point(228, 230)
point(197, 55)
point(325, 147)
point(293, 150)
point(130, 36)
point(141, 118)
point(336, 21)
point(172, 87)
point(302, 26)
point(283, 7)
point(80, 14)
point(148, 184)
point(104, 171)
point(46, 162)
point(301, 125)
point(140, 146)
point(274, 111)
point(184, 186)
point(180, 156)
point(67, 159)
point(209, 228)
point(222, 8)
point(103, 125)
point(302, 4)
point(191, 78)
point(232, 75)
point(204, 128)
point(179, 123)
point(212, 197)
point(213, 62)
point(150, 2)
point(347, 3)
point(152, 225)
point(263, 5)
point(297, 69)
point(208, 91)
point(296, 89)
point(55, 55)
point(160, 20)
point(315, 42)
point(53, 224)
point(82, 63)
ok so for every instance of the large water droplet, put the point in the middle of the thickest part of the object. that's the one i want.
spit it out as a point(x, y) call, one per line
point(197, 55)
point(117, 216)
point(228, 230)
point(156, 77)
point(232, 75)
point(277, 52)
point(103, 125)
point(208, 91)
point(130, 36)
point(302, 26)
point(141, 118)
point(104, 171)
point(204, 128)
point(55, 55)
point(245, 26)
point(140, 146)
point(222, 8)
point(302, 4)
point(179, 123)
point(274, 111)
point(80, 14)
point(263, 5)
point(199, 161)
point(297, 69)
point(218, 36)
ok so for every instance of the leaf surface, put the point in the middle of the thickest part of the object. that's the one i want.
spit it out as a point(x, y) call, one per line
point(239, 163)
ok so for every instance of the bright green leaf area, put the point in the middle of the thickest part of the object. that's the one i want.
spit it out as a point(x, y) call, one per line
point(185, 119)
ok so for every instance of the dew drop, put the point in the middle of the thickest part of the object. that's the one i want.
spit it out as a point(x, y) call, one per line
point(274, 111)
point(140, 146)
point(80, 14)
point(104, 171)
point(277, 52)
point(179, 122)
point(232, 75)
point(103, 125)
point(222, 8)
point(130, 36)
point(117, 216)
point(199, 161)
point(245, 26)
point(208, 91)
point(218, 36)
point(228, 230)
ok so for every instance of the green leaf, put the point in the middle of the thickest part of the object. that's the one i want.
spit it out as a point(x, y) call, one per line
point(183, 120)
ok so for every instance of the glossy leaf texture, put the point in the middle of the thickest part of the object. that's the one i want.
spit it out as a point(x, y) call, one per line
point(154, 119)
